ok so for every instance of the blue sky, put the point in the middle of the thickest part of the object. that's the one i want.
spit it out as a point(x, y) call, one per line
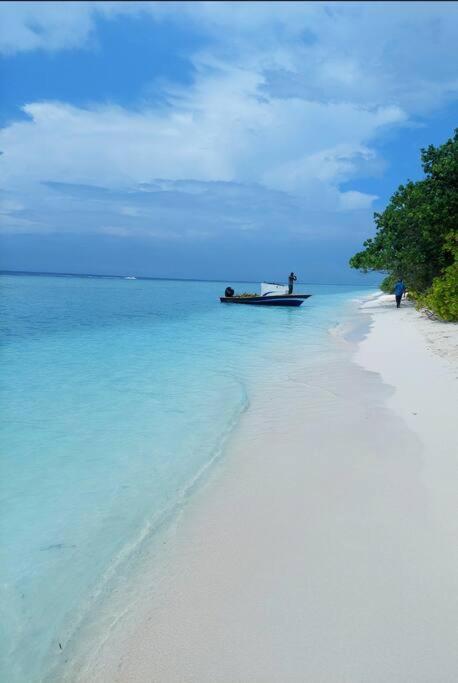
point(214, 140)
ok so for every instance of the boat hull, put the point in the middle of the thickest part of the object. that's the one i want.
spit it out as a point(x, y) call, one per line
point(280, 300)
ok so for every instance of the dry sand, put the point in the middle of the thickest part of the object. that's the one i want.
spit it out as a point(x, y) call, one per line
point(323, 548)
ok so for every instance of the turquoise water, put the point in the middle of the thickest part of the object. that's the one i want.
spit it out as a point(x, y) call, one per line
point(115, 395)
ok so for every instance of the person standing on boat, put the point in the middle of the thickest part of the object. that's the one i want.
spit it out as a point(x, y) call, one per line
point(291, 280)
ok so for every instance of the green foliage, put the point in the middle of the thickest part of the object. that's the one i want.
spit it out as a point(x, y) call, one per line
point(388, 283)
point(442, 297)
point(416, 234)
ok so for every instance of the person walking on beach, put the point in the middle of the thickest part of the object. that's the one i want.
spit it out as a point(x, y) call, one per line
point(399, 290)
point(291, 280)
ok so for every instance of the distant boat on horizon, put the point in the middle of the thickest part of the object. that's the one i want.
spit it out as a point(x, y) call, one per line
point(130, 277)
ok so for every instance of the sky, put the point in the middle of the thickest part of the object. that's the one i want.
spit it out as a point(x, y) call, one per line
point(216, 140)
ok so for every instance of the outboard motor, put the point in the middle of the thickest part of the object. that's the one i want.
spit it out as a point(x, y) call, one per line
point(228, 292)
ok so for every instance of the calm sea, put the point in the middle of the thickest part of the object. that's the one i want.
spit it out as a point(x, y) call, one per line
point(115, 395)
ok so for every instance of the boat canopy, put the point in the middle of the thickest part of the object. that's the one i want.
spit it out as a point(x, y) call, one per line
point(273, 289)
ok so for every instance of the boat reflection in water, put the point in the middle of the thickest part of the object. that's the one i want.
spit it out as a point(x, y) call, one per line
point(272, 294)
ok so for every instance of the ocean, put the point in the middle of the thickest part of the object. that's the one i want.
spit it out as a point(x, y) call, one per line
point(116, 397)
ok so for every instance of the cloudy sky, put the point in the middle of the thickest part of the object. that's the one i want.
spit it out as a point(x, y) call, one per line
point(214, 140)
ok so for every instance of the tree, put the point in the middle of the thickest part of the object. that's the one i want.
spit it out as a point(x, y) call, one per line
point(416, 233)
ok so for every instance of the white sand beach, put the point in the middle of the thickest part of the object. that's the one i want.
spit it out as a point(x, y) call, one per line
point(323, 548)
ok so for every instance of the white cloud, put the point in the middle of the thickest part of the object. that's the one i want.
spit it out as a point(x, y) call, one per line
point(50, 26)
point(184, 210)
point(351, 200)
point(373, 53)
point(290, 100)
point(221, 129)
point(401, 53)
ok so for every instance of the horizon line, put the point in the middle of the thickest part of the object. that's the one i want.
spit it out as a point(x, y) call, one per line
point(170, 279)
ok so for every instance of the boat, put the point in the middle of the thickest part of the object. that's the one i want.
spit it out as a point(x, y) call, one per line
point(272, 294)
point(130, 277)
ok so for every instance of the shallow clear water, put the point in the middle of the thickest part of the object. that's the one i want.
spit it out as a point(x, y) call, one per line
point(115, 394)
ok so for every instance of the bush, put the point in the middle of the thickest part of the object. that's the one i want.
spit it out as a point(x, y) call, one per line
point(387, 284)
point(442, 298)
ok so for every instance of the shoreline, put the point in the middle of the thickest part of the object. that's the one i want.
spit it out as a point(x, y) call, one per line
point(311, 553)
